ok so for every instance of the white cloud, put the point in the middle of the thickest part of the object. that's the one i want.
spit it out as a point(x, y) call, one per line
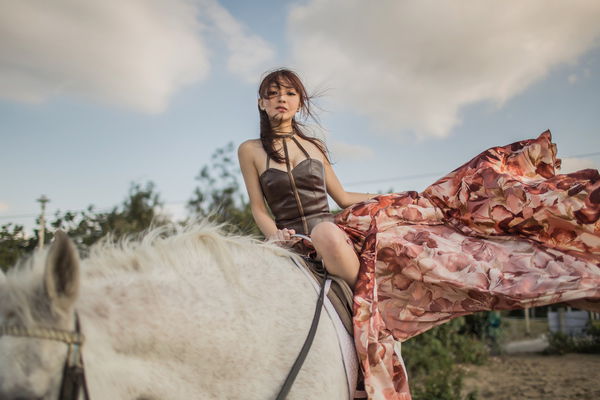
point(569, 165)
point(249, 54)
point(133, 53)
point(412, 65)
point(346, 151)
point(339, 150)
point(572, 79)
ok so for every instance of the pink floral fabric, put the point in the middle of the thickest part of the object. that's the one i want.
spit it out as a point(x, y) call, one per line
point(501, 232)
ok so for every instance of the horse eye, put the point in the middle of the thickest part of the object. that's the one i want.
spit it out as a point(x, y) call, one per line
point(11, 315)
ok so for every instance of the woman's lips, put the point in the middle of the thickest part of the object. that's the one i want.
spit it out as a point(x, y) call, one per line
point(281, 109)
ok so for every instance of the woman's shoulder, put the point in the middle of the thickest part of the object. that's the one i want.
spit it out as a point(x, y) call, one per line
point(250, 151)
point(250, 145)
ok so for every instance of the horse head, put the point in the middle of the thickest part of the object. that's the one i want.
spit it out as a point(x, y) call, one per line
point(39, 296)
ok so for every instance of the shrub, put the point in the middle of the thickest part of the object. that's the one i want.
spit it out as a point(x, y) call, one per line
point(432, 357)
point(561, 343)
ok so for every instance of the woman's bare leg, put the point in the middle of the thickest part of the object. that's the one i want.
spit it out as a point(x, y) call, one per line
point(338, 255)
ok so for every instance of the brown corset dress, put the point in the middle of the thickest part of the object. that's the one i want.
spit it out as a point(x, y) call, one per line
point(297, 197)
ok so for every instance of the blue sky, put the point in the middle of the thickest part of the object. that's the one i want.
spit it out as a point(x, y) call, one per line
point(96, 95)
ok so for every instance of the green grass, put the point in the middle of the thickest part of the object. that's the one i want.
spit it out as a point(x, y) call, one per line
point(513, 329)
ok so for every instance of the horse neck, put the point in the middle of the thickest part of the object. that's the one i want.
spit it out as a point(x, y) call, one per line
point(197, 323)
point(147, 295)
point(154, 315)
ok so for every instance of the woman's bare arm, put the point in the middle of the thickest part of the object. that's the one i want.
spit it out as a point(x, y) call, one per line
point(246, 153)
point(336, 190)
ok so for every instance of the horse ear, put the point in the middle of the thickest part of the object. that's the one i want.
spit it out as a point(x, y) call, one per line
point(61, 276)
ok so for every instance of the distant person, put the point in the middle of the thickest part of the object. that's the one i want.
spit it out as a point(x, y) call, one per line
point(503, 231)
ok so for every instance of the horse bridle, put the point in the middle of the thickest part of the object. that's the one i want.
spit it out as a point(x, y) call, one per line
point(73, 378)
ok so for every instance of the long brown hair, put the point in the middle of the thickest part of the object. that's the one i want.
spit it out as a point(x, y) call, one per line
point(280, 77)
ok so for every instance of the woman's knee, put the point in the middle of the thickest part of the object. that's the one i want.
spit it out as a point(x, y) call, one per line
point(327, 235)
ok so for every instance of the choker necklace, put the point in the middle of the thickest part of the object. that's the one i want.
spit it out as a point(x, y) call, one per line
point(284, 135)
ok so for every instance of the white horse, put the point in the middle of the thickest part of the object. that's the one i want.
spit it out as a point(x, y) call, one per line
point(190, 315)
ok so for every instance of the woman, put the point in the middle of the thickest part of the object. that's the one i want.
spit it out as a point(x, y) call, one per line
point(503, 231)
point(292, 171)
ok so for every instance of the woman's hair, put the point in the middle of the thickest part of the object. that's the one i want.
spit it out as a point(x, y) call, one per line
point(283, 77)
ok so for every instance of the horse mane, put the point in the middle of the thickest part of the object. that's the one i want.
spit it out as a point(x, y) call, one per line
point(173, 245)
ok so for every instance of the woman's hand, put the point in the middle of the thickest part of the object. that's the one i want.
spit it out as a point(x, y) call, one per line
point(281, 235)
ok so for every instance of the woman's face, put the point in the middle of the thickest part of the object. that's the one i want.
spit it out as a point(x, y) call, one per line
point(282, 102)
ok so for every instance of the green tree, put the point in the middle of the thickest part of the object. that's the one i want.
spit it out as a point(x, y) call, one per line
point(219, 196)
point(432, 358)
point(137, 213)
point(83, 227)
point(14, 244)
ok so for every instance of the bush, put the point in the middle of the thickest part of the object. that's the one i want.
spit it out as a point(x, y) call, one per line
point(561, 343)
point(488, 327)
point(432, 357)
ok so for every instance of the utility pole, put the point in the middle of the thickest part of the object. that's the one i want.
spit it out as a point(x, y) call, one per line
point(527, 325)
point(42, 200)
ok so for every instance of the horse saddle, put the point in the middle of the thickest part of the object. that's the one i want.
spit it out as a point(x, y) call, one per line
point(339, 294)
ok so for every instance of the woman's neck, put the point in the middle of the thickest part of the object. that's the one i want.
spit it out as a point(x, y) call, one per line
point(284, 129)
point(283, 132)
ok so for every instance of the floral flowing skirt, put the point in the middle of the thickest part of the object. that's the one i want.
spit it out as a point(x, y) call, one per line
point(503, 231)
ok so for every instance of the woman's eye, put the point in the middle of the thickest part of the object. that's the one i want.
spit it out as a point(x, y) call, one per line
point(272, 93)
point(291, 93)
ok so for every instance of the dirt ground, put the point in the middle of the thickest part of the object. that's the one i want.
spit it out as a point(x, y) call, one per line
point(536, 377)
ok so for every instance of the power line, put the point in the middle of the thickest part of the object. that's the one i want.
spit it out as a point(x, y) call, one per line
point(584, 155)
point(99, 210)
point(435, 174)
point(18, 216)
point(21, 216)
point(398, 178)
point(349, 184)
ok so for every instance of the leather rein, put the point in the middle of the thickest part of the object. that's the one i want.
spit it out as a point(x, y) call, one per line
point(291, 377)
point(73, 378)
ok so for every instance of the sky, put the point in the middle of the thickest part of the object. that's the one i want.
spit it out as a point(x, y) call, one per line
point(97, 95)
